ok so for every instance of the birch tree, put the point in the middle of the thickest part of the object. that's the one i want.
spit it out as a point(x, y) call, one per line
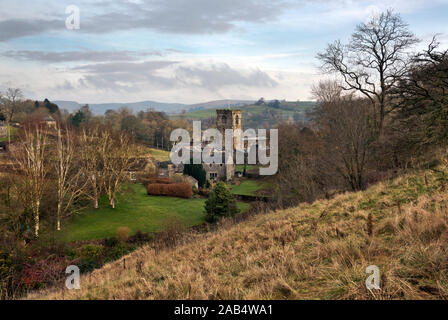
point(92, 146)
point(31, 163)
point(118, 159)
point(69, 184)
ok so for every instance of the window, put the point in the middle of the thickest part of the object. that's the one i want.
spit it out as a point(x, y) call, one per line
point(213, 175)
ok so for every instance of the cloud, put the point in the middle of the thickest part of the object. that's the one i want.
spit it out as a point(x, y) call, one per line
point(134, 76)
point(217, 76)
point(72, 56)
point(13, 28)
point(174, 16)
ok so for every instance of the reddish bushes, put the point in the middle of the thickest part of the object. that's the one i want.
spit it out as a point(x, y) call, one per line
point(147, 180)
point(180, 190)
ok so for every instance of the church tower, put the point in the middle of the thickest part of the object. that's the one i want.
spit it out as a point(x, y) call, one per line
point(229, 119)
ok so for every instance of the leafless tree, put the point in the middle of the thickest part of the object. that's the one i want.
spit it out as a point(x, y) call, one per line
point(373, 61)
point(69, 184)
point(30, 156)
point(92, 145)
point(118, 159)
point(9, 102)
point(327, 91)
point(344, 127)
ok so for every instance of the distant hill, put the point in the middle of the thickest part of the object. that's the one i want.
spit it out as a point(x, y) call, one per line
point(255, 116)
point(101, 108)
point(220, 104)
point(172, 108)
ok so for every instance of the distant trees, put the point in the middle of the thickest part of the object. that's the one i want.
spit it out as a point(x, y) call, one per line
point(83, 115)
point(373, 61)
point(220, 203)
point(260, 102)
point(196, 171)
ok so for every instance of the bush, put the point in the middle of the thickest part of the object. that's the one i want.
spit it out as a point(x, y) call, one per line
point(220, 203)
point(123, 233)
point(121, 249)
point(90, 251)
point(180, 190)
point(140, 237)
point(111, 242)
point(150, 179)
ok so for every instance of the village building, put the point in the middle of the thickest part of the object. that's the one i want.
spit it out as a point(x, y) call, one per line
point(225, 119)
point(49, 122)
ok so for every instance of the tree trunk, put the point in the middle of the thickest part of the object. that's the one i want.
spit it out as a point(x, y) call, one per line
point(36, 220)
point(95, 203)
point(58, 222)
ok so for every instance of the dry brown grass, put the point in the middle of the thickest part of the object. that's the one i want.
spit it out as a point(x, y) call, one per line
point(314, 251)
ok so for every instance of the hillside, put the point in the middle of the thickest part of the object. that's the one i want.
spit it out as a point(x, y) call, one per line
point(314, 251)
point(101, 108)
point(257, 115)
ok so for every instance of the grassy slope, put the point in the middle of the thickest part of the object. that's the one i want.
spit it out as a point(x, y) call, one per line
point(159, 155)
point(137, 211)
point(285, 112)
point(314, 251)
point(247, 187)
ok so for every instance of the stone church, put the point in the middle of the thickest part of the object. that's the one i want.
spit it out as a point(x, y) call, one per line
point(225, 119)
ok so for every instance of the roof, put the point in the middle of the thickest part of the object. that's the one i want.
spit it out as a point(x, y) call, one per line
point(48, 119)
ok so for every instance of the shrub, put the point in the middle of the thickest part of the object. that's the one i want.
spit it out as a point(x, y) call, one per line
point(123, 233)
point(220, 203)
point(140, 237)
point(180, 190)
point(150, 179)
point(90, 251)
point(111, 242)
point(121, 249)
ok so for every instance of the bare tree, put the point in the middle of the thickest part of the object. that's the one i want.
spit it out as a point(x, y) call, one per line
point(30, 156)
point(92, 146)
point(9, 103)
point(327, 91)
point(69, 185)
point(344, 127)
point(373, 61)
point(118, 159)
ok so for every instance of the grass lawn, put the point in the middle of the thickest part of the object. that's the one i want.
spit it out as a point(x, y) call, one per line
point(240, 167)
point(160, 155)
point(248, 187)
point(137, 211)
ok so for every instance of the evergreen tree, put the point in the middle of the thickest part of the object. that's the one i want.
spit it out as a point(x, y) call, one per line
point(196, 171)
point(220, 203)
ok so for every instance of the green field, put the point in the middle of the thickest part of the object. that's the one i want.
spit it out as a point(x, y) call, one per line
point(284, 112)
point(159, 155)
point(248, 188)
point(249, 167)
point(137, 211)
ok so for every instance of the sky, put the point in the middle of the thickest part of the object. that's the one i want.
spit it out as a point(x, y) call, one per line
point(185, 51)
